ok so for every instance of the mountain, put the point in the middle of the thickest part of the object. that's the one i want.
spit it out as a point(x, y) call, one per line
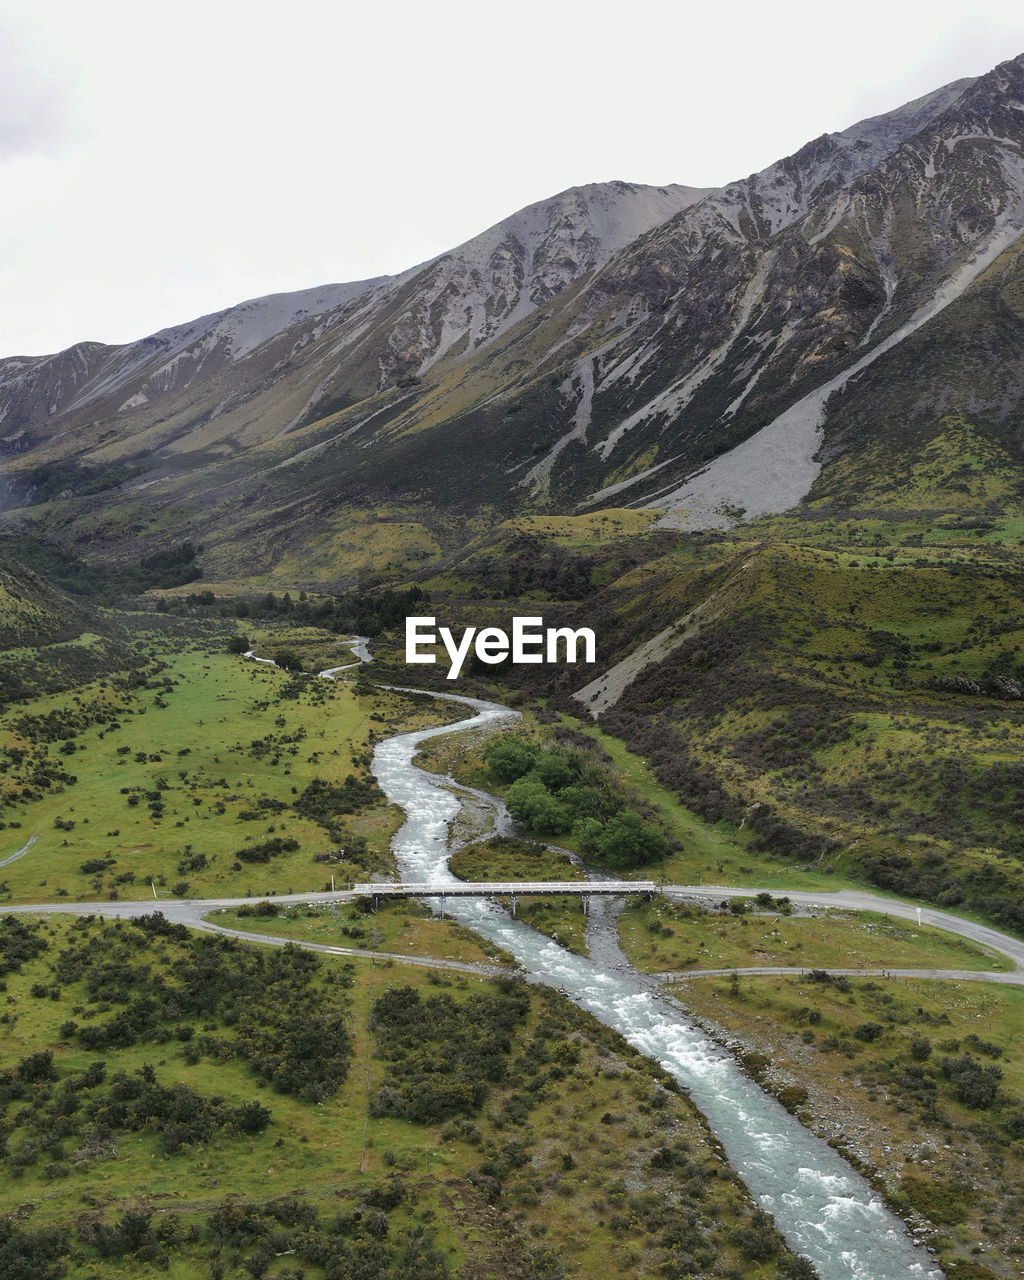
point(281, 351)
point(706, 353)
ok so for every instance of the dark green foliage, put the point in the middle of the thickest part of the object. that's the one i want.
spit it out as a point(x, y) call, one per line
point(360, 613)
point(627, 841)
point(561, 788)
point(62, 723)
point(95, 866)
point(288, 660)
point(759, 1240)
point(32, 1255)
point(295, 1037)
point(530, 802)
point(110, 583)
point(266, 850)
point(523, 564)
point(252, 1117)
point(323, 801)
point(443, 1054)
point(557, 769)
point(976, 1086)
point(868, 1031)
point(375, 1240)
point(182, 1116)
point(46, 482)
point(797, 1268)
point(19, 941)
point(510, 757)
point(304, 1052)
point(920, 1048)
point(83, 1109)
point(36, 1067)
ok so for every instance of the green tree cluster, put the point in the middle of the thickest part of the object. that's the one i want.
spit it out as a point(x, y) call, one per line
point(443, 1055)
point(553, 790)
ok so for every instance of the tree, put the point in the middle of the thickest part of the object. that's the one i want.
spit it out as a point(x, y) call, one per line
point(628, 841)
point(288, 660)
point(252, 1117)
point(529, 801)
point(510, 758)
point(557, 769)
point(238, 644)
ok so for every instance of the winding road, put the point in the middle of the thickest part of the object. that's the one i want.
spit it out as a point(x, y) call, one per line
point(195, 912)
point(823, 1208)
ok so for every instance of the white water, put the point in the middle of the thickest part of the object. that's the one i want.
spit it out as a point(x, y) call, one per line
point(825, 1209)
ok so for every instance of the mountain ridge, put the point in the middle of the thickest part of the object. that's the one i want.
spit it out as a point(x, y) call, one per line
point(614, 342)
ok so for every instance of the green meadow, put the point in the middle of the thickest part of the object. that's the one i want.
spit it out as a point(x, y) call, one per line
point(401, 926)
point(561, 1147)
point(184, 780)
point(662, 935)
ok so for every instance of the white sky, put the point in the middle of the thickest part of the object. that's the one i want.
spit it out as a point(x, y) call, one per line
point(160, 161)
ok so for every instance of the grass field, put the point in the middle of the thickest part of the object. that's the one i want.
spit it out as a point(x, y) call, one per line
point(540, 1172)
point(401, 926)
point(660, 936)
point(177, 780)
point(217, 752)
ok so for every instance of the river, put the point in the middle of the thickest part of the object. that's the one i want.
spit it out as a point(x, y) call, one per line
point(822, 1206)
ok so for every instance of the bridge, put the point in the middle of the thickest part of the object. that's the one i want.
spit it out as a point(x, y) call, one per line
point(514, 889)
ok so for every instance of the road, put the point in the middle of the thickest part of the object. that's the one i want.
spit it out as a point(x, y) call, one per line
point(861, 900)
point(20, 854)
point(194, 913)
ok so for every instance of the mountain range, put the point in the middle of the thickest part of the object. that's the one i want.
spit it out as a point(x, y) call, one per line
point(766, 442)
point(711, 354)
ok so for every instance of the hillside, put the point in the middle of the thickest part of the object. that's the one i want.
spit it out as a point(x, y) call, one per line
point(702, 353)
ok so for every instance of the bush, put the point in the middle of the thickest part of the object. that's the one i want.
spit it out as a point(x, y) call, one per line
point(442, 1055)
point(628, 841)
point(509, 758)
point(976, 1086)
point(530, 802)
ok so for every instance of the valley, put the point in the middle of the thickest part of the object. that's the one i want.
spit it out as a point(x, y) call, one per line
point(250, 684)
point(755, 457)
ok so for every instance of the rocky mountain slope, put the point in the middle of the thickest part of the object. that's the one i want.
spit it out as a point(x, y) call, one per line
point(702, 352)
point(266, 356)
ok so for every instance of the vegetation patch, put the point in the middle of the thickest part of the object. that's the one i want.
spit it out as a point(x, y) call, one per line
point(566, 788)
point(533, 1178)
point(920, 1083)
point(749, 932)
point(398, 925)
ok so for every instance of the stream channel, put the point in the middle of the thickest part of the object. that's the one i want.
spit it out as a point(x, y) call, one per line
point(823, 1207)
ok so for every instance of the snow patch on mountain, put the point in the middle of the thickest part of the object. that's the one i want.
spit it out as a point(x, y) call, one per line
point(251, 324)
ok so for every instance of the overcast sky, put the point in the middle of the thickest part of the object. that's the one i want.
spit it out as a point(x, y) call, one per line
point(160, 161)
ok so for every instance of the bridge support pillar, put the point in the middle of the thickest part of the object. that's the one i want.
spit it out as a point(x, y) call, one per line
point(444, 899)
point(586, 904)
point(515, 902)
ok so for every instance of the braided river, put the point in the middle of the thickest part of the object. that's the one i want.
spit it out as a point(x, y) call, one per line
point(820, 1204)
